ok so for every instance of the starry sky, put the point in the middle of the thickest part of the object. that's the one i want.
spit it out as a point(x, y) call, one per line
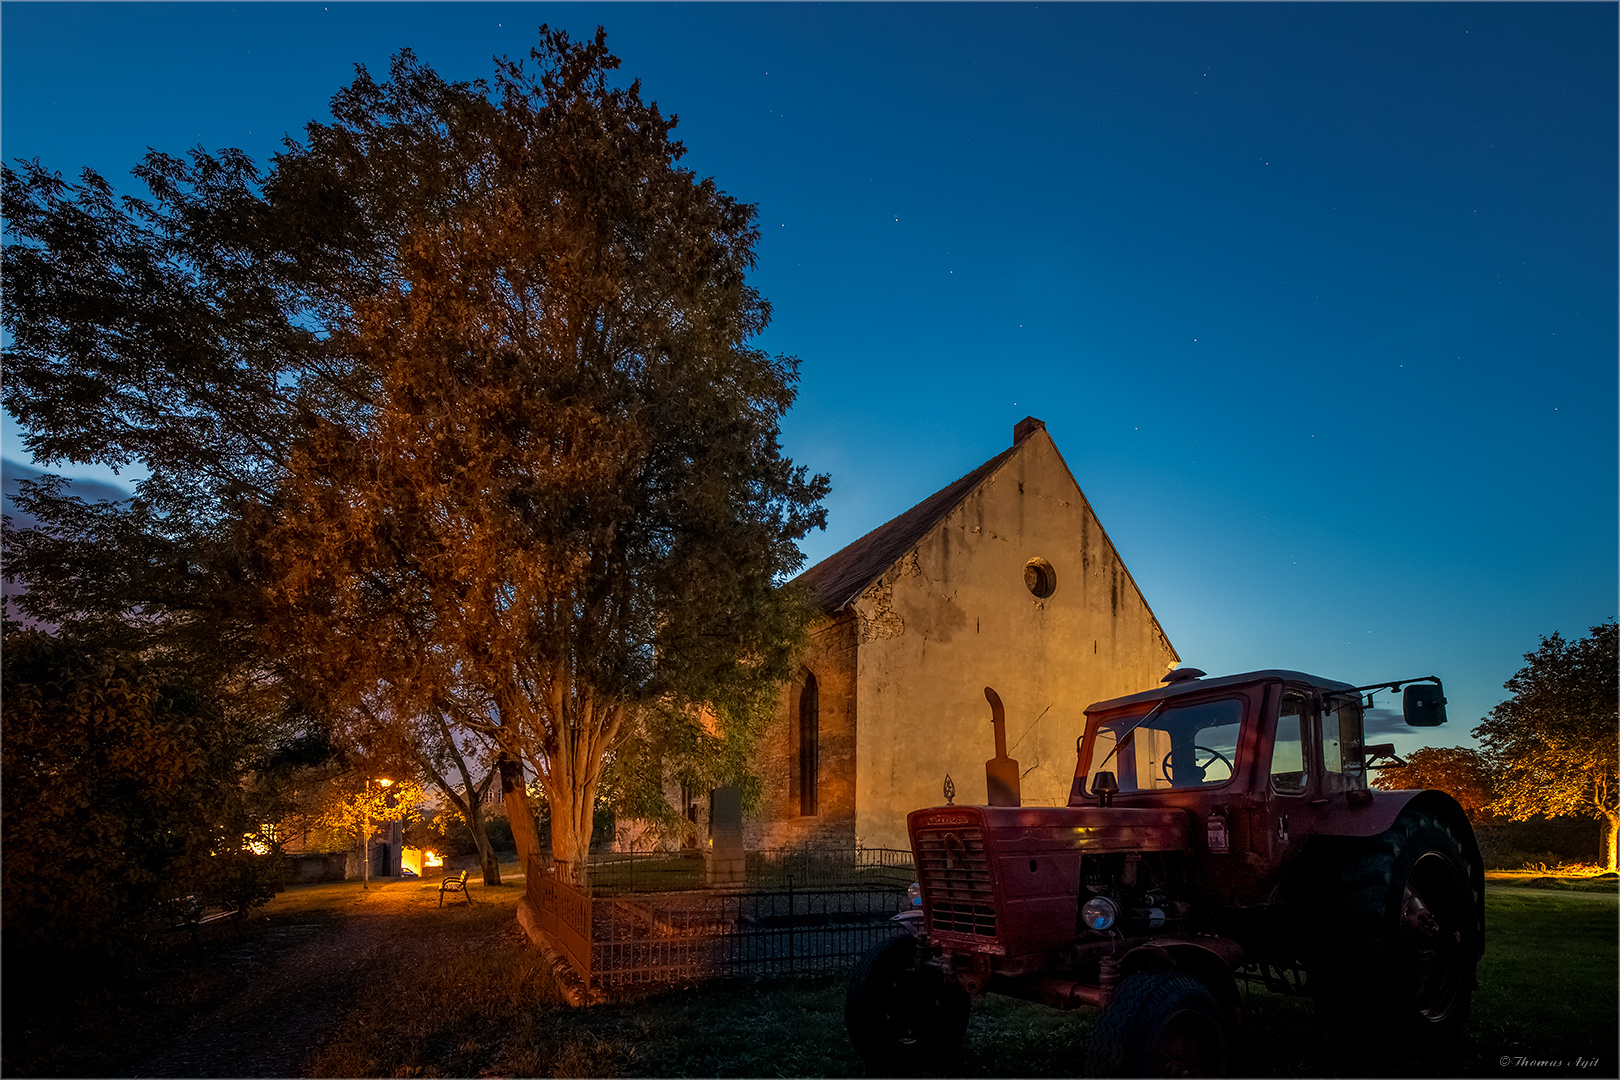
point(1318, 301)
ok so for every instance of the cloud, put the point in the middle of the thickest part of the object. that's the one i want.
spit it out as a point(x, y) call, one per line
point(13, 473)
point(1383, 722)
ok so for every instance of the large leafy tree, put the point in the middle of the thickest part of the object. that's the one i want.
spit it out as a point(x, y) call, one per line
point(451, 413)
point(566, 512)
point(1553, 742)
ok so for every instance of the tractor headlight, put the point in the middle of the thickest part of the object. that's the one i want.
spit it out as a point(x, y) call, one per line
point(914, 894)
point(1099, 913)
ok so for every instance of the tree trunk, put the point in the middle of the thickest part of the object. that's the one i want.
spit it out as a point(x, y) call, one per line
point(517, 811)
point(581, 729)
point(1611, 832)
point(486, 851)
point(571, 818)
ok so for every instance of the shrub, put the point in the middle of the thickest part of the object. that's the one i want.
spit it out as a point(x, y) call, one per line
point(122, 792)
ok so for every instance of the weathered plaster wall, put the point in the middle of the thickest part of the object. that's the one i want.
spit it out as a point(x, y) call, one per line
point(954, 616)
point(830, 654)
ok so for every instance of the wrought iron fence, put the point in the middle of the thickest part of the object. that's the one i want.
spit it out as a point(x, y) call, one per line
point(667, 938)
point(616, 938)
point(829, 867)
point(810, 866)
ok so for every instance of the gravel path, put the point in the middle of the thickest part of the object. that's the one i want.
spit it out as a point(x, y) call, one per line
point(294, 980)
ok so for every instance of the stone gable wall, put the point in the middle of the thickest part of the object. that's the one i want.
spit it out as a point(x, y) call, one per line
point(955, 616)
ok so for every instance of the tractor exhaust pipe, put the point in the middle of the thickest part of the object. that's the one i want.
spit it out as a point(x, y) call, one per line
point(1001, 771)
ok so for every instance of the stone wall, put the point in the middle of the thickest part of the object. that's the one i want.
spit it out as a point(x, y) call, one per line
point(320, 866)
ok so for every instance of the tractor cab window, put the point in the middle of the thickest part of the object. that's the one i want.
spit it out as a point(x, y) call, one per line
point(1288, 772)
point(1185, 746)
point(1341, 743)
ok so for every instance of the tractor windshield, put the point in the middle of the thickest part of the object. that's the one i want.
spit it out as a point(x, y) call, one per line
point(1183, 746)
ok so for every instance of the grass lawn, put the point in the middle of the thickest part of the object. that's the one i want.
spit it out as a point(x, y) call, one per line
point(475, 999)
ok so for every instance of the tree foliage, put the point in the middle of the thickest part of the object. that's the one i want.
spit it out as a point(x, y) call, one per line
point(1460, 772)
point(1553, 743)
point(123, 792)
point(165, 333)
point(452, 413)
point(567, 502)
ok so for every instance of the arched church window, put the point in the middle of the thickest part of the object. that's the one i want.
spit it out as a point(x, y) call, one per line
point(809, 744)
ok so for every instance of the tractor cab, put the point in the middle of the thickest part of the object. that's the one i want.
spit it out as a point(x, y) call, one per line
point(1261, 734)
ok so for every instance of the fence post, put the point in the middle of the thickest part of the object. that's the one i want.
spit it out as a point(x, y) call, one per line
point(791, 955)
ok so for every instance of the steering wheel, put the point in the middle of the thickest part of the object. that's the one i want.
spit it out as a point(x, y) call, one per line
point(1214, 755)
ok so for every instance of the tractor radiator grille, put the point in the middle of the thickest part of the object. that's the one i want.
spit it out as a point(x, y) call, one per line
point(955, 878)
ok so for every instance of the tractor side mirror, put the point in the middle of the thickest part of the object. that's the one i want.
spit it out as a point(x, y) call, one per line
point(1423, 705)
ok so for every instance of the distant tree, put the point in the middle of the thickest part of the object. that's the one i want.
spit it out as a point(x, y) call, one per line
point(357, 801)
point(462, 768)
point(1554, 743)
point(1460, 772)
point(566, 503)
point(123, 793)
point(660, 753)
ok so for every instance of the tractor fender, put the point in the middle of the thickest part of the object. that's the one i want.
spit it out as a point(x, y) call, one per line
point(1208, 958)
point(1342, 818)
point(1348, 823)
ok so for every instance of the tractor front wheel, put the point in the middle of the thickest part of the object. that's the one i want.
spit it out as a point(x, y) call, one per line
point(901, 1017)
point(1160, 1023)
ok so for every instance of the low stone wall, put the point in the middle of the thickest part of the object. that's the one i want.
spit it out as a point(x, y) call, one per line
point(323, 866)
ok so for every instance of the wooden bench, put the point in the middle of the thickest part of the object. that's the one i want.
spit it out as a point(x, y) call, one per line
point(454, 884)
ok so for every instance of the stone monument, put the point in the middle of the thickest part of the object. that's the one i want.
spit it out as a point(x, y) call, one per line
point(723, 861)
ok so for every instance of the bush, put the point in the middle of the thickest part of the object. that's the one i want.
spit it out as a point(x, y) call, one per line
point(123, 791)
point(1509, 845)
point(499, 831)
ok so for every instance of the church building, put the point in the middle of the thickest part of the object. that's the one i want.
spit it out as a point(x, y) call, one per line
point(1004, 579)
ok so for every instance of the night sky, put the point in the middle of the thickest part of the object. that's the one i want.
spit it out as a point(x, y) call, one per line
point(1318, 301)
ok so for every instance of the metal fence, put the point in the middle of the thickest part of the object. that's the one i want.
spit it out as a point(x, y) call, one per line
point(616, 938)
point(809, 866)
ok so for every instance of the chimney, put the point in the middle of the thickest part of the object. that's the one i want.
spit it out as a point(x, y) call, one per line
point(1027, 427)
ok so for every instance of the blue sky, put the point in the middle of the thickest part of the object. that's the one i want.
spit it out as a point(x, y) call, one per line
point(1318, 301)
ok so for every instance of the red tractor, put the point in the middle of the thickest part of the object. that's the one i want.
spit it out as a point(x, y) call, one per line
point(1218, 829)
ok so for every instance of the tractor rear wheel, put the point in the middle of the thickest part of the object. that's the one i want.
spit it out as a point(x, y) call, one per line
point(1408, 934)
point(903, 1018)
point(1160, 1023)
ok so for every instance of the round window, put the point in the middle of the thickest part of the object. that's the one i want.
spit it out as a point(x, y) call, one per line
point(1039, 578)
